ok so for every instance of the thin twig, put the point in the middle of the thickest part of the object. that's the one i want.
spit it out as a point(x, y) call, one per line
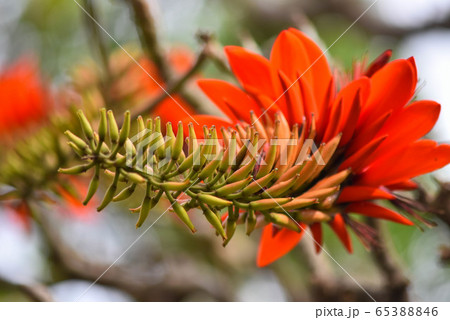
point(98, 44)
point(396, 284)
point(147, 33)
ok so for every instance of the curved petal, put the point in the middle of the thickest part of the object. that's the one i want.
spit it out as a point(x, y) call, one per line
point(340, 229)
point(289, 55)
point(354, 96)
point(361, 193)
point(392, 87)
point(403, 185)
point(316, 230)
point(319, 68)
point(408, 125)
point(418, 158)
point(375, 211)
point(235, 103)
point(252, 70)
point(274, 245)
point(360, 159)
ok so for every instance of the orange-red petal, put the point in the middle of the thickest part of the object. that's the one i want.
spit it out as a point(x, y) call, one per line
point(273, 246)
point(375, 211)
point(251, 69)
point(361, 193)
point(418, 158)
point(403, 185)
point(319, 68)
point(392, 87)
point(408, 125)
point(235, 103)
point(289, 55)
point(316, 230)
point(339, 227)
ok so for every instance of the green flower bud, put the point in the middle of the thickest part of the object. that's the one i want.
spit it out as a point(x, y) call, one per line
point(250, 222)
point(267, 204)
point(270, 158)
point(259, 184)
point(109, 195)
point(243, 172)
point(214, 201)
point(102, 126)
point(284, 221)
point(93, 185)
point(145, 210)
point(77, 141)
point(125, 193)
point(214, 220)
point(175, 186)
point(193, 143)
point(76, 169)
point(233, 187)
point(113, 128)
point(86, 126)
point(125, 131)
point(178, 145)
point(181, 212)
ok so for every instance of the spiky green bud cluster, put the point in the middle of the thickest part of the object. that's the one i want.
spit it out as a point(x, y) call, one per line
point(253, 188)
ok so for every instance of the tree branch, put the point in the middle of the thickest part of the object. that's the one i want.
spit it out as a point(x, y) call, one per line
point(149, 39)
point(395, 283)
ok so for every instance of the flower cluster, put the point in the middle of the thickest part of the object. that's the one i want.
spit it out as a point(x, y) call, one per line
point(380, 128)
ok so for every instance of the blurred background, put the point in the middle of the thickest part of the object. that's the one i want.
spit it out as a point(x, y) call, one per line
point(168, 263)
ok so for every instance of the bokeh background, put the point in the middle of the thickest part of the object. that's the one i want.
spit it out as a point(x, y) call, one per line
point(168, 263)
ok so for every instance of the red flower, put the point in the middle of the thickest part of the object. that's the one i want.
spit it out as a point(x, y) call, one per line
point(380, 126)
point(25, 104)
point(24, 98)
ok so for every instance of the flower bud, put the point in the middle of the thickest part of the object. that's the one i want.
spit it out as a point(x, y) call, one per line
point(77, 141)
point(193, 143)
point(270, 158)
point(242, 172)
point(284, 221)
point(145, 210)
point(125, 131)
point(320, 194)
point(175, 186)
point(113, 128)
point(125, 193)
point(298, 203)
point(76, 169)
point(267, 204)
point(214, 220)
point(250, 222)
point(102, 126)
point(259, 184)
point(214, 201)
point(93, 185)
point(109, 195)
point(181, 213)
point(233, 187)
point(178, 145)
point(86, 126)
point(280, 187)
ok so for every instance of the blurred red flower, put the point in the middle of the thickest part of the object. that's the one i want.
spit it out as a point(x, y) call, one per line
point(26, 104)
point(380, 126)
point(23, 96)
